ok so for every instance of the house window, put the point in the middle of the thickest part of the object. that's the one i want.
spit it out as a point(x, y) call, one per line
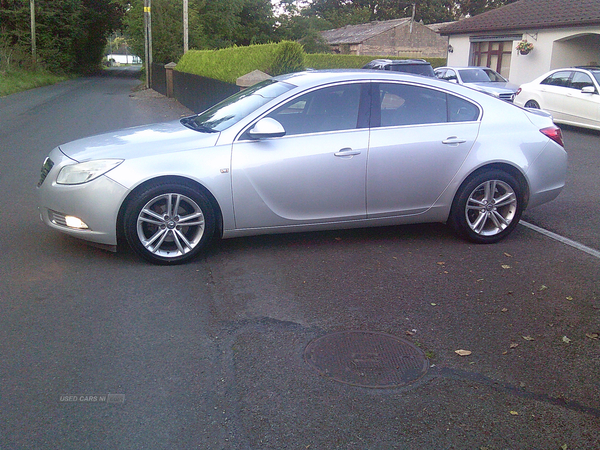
point(493, 54)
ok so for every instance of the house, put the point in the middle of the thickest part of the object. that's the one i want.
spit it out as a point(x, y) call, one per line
point(564, 33)
point(398, 37)
point(123, 56)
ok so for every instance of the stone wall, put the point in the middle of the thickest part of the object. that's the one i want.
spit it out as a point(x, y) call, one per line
point(400, 41)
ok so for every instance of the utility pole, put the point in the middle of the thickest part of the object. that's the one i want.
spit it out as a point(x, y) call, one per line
point(33, 44)
point(186, 46)
point(148, 41)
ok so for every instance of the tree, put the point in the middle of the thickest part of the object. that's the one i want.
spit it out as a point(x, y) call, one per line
point(70, 34)
point(212, 24)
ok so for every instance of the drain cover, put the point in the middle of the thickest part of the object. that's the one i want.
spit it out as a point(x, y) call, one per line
point(365, 358)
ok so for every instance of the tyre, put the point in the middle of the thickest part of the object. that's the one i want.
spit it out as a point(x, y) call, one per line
point(532, 104)
point(487, 207)
point(169, 223)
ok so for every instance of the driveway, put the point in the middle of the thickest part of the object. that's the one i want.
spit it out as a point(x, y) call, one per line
point(240, 348)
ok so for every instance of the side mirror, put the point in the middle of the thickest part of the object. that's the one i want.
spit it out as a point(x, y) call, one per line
point(266, 128)
point(588, 90)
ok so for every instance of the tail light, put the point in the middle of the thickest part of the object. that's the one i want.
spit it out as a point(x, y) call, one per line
point(555, 134)
point(518, 92)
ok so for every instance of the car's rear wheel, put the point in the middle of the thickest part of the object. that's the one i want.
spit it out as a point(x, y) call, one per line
point(169, 223)
point(532, 104)
point(487, 207)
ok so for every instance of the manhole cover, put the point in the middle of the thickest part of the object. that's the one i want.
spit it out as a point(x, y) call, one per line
point(368, 359)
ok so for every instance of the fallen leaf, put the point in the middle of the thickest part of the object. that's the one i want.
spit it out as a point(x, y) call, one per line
point(543, 287)
point(441, 263)
point(592, 335)
point(514, 413)
point(409, 333)
point(528, 338)
point(569, 298)
point(514, 345)
point(505, 266)
point(566, 340)
point(434, 304)
point(463, 352)
point(504, 310)
point(564, 447)
point(507, 254)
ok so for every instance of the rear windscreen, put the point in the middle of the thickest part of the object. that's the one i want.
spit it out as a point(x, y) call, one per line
point(418, 69)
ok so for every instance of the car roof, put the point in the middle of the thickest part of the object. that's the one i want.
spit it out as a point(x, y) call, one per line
point(464, 67)
point(311, 78)
point(400, 61)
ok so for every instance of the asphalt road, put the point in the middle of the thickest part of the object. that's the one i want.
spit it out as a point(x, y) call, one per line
point(210, 355)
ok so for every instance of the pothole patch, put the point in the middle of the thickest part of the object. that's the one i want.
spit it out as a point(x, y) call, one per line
point(367, 359)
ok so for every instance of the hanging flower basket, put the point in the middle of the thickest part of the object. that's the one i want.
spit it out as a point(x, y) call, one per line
point(524, 47)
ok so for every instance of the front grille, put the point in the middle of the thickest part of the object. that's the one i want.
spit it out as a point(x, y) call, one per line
point(46, 168)
point(57, 218)
point(507, 97)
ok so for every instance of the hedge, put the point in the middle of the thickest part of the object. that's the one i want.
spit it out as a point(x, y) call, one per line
point(231, 63)
point(331, 61)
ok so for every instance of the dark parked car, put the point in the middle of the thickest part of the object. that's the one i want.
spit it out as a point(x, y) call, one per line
point(414, 66)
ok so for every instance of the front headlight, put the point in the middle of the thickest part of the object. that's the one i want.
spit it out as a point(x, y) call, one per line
point(86, 171)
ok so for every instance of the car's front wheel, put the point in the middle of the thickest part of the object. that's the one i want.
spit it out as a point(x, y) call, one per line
point(487, 207)
point(169, 223)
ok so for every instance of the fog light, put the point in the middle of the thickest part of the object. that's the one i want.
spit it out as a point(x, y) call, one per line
point(75, 222)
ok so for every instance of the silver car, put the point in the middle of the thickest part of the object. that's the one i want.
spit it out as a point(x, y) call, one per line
point(481, 78)
point(308, 151)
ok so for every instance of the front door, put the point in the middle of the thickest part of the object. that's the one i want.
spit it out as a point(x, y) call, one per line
point(313, 174)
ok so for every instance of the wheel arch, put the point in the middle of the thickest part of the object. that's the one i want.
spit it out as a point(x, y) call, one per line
point(170, 179)
point(505, 167)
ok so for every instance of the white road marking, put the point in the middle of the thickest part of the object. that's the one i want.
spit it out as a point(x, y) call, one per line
point(564, 240)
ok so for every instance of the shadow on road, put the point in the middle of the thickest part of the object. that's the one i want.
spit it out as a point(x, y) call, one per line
point(121, 72)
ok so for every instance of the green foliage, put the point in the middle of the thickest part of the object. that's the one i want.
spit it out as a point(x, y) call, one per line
point(331, 61)
point(289, 58)
point(70, 34)
point(230, 63)
point(19, 80)
point(343, 12)
point(213, 24)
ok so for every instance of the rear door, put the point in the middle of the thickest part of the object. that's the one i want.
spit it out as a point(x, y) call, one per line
point(419, 139)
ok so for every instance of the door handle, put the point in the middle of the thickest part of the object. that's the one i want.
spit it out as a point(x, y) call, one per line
point(347, 153)
point(453, 140)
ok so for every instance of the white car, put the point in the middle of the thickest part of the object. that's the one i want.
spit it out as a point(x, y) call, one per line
point(572, 96)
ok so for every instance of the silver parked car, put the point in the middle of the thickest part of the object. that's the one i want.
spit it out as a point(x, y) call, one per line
point(481, 78)
point(308, 151)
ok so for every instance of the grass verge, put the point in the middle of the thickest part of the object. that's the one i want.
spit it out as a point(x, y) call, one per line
point(17, 80)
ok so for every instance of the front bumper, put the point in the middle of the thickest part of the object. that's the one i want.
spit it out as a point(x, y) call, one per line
point(96, 203)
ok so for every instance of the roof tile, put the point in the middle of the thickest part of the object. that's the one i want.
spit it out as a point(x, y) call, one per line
point(530, 14)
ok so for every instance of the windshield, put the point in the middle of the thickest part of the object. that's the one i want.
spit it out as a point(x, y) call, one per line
point(481, 76)
point(235, 108)
point(596, 74)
